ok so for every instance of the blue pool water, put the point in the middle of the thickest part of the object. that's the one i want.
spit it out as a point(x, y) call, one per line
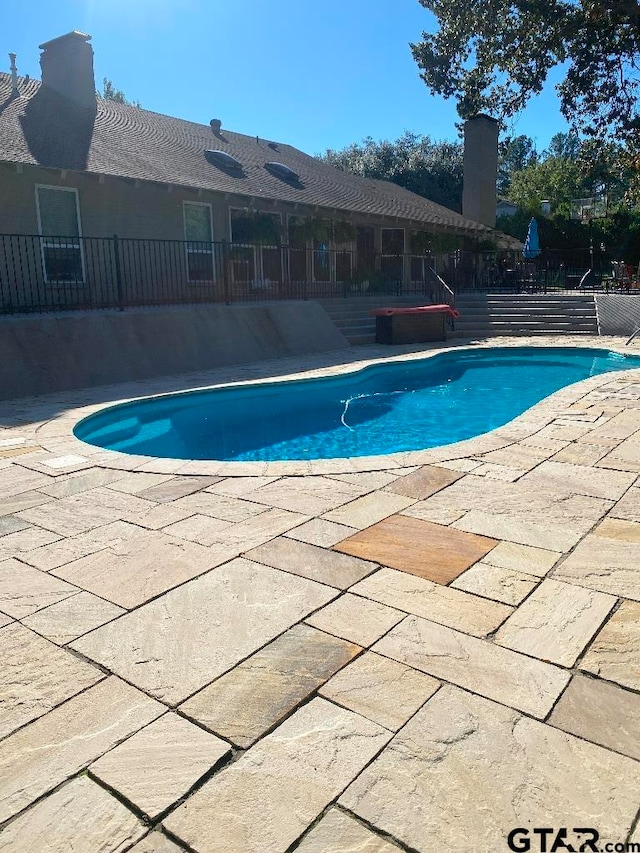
point(380, 409)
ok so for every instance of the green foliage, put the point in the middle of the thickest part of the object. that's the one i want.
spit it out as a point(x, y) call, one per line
point(256, 227)
point(493, 55)
point(555, 178)
point(515, 154)
point(430, 169)
point(110, 93)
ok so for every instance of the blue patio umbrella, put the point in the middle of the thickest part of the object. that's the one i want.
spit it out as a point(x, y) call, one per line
point(532, 243)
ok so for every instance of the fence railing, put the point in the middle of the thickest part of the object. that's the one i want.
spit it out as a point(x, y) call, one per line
point(42, 273)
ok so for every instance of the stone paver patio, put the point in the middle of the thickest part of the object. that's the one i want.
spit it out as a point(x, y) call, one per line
point(413, 653)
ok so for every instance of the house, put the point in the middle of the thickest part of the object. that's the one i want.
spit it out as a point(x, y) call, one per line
point(506, 208)
point(196, 207)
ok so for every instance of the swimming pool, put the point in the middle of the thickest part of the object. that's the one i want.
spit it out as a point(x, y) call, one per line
point(380, 409)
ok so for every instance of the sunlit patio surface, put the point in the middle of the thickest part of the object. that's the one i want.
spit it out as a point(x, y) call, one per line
point(436, 650)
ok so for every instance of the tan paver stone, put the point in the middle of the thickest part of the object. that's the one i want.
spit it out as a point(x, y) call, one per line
point(318, 564)
point(18, 543)
point(156, 842)
point(92, 478)
point(522, 558)
point(519, 456)
point(23, 590)
point(581, 454)
point(268, 798)
point(80, 817)
point(71, 548)
point(615, 652)
point(161, 515)
point(463, 465)
point(498, 472)
point(356, 619)
point(137, 482)
point(161, 763)
point(380, 689)
point(258, 693)
point(175, 645)
point(477, 665)
point(78, 514)
point(8, 524)
point(321, 532)
point(621, 426)
point(438, 515)
point(239, 486)
point(338, 832)
point(496, 583)
point(625, 457)
point(566, 431)
point(602, 713)
point(499, 526)
point(580, 479)
point(411, 545)
point(452, 607)
point(5, 620)
point(628, 507)
point(16, 480)
point(309, 495)
point(22, 501)
point(224, 507)
point(424, 482)
point(69, 619)
point(241, 537)
point(202, 529)
point(139, 568)
point(35, 676)
point(466, 768)
point(606, 560)
point(369, 509)
point(43, 754)
point(7, 453)
point(370, 480)
point(556, 622)
point(175, 488)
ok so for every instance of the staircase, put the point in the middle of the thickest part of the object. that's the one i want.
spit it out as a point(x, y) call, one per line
point(485, 315)
point(351, 315)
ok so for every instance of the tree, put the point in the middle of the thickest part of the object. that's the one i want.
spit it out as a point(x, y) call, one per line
point(430, 169)
point(493, 55)
point(516, 153)
point(557, 179)
point(110, 93)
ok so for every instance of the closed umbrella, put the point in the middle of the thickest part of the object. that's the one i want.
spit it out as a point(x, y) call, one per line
point(532, 243)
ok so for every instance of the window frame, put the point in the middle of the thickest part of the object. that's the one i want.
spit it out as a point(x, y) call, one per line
point(76, 245)
point(202, 251)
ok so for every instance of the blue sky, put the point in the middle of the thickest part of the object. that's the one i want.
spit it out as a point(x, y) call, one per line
point(316, 75)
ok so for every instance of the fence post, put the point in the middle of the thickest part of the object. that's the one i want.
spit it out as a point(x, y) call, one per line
point(118, 270)
point(225, 271)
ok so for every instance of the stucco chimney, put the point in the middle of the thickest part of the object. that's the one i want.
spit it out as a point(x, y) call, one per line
point(67, 67)
point(480, 169)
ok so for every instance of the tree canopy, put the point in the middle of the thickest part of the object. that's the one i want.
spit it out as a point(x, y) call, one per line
point(493, 55)
point(110, 93)
point(430, 169)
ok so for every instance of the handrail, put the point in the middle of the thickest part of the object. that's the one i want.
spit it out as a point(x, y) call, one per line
point(444, 286)
point(634, 335)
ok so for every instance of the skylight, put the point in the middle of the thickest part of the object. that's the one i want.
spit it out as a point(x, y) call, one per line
point(223, 160)
point(282, 171)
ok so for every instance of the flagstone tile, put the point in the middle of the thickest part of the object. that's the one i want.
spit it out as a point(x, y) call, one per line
point(620, 427)
point(238, 486)
point(424, 482)
point(22, 541)
point(245, 535)
point(628, 507)
point(368, 510)
point(309, 495)
point(438, 515)
point(371, 480)
point(493, 582)
point(35, 676)
point(159, 764)
point(606, 560)
point(272, 794)
point(478, 665)
point(581, 454)
point(175, 488)
point(81, 816)
point(71, 548)
point(318, 564)
point(522, 558)
point(320, 532)
point(92, 478)
point(203, 529)
point(602, 713)
point(9, 524)
point(580, 479)
point(224, 507)
point(156, 842)
point(380, 689)
point(5, 620)
point(465, 466)
point(521, 456)
point(78, 514)
point(23, 589)
point(137, 482)
point(615, 652)
point(498, 472)
point(556, 622)
point(175, 645)
point(25, 500)
point(549, 536)
point(161, 515)
point(258, 693)
point(420, 547)
point(132, 571)
point(467, 768)
point(17, 480)
point(338, 832)
point(443, 604)
point(359, 620)
point(10, 452)
point(65, 621)
point(55, 747)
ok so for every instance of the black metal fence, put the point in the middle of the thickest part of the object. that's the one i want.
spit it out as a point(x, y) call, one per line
point(39, 273)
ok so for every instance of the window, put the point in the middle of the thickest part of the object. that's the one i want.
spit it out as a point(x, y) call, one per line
point(198, 234)
point(392, 262)
point(59, 224)
point(255, 252)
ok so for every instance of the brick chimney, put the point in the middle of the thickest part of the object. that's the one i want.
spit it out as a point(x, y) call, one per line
point(67, 67)
point(480, 169)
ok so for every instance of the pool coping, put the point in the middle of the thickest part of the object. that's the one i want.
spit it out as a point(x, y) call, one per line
point(55, 435)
